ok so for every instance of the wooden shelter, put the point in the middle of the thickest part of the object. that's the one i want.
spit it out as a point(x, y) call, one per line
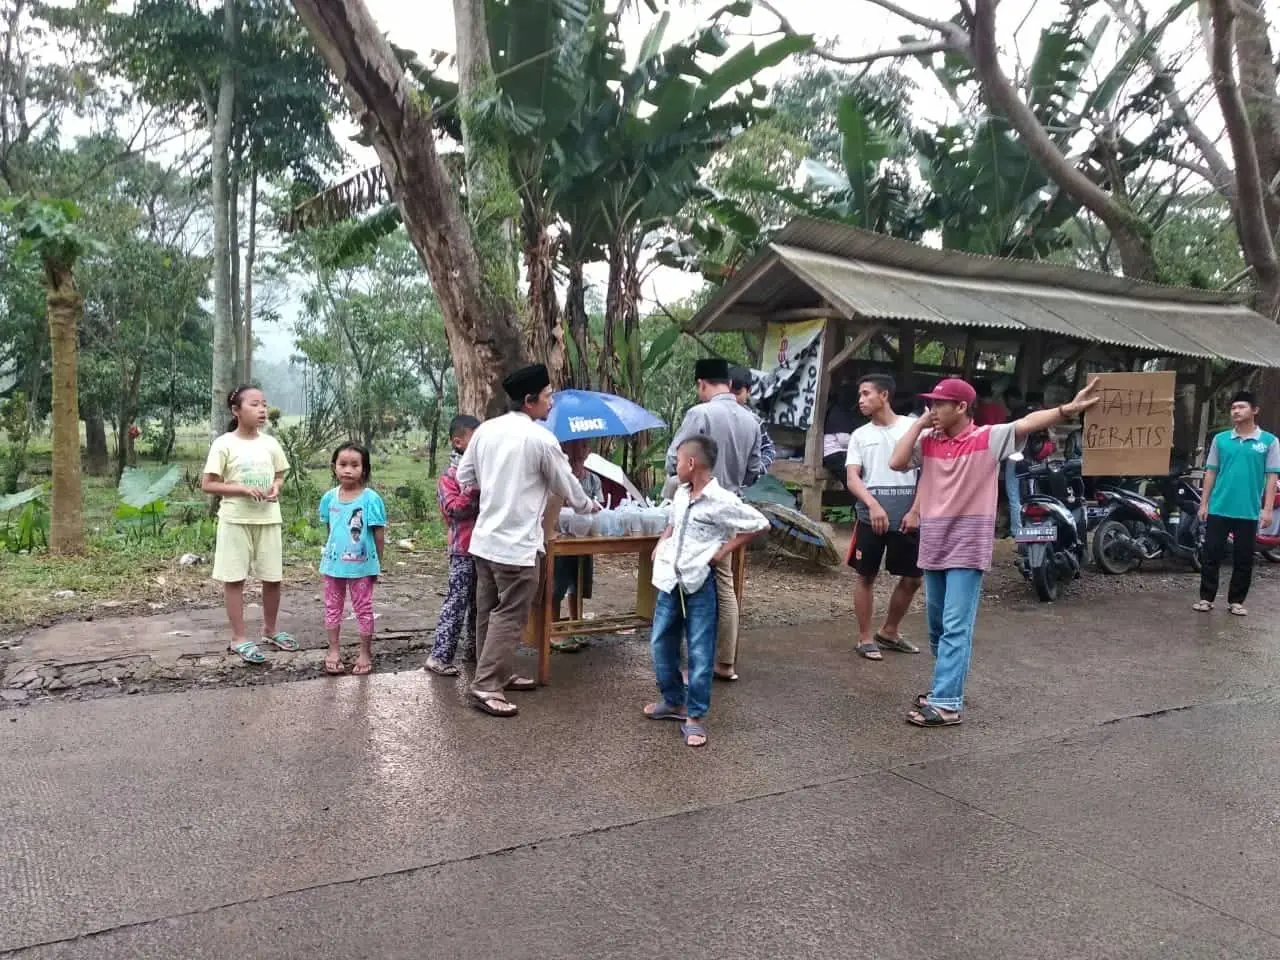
point(880, 300)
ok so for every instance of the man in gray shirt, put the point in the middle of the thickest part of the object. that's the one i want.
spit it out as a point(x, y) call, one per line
point(736, 432)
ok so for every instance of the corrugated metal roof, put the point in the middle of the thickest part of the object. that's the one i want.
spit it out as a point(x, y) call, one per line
point(944, 288)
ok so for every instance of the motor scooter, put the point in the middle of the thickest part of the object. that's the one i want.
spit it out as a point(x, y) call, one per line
point(1053, 525)
point(1137, 528)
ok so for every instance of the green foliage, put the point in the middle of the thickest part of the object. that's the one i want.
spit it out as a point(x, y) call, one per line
point(26, 521)
point(49, 227)
point(143, 511)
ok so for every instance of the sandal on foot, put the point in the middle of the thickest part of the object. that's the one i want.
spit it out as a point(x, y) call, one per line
point(1203, 606)
point(869, 650)
point(362, 669)
point(494, 704)
point(569, 644)
point(1237, 609)
point(440, 667)
point(282, 641)
point(333, 665)
point(664, 711)
point(693, 729)
point(520, 683)
point(920, 700)
point(729, 676)
point(248, 652)
point(896, 644)
point(931, 716)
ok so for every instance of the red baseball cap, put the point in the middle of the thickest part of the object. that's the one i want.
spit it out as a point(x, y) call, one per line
point(954, 390)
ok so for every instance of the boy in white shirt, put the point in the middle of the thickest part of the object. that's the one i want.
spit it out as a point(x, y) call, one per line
point(707, 524)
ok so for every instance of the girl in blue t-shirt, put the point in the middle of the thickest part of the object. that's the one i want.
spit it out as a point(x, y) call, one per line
point(352, 557)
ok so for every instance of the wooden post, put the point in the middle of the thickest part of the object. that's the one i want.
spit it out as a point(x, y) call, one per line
point(970, 355)
point(906, 356)
point(1204, 394)
point(1030, 367)
point(811, 496)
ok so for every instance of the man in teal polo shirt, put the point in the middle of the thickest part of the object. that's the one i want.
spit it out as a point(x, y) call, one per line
point(1239, 494)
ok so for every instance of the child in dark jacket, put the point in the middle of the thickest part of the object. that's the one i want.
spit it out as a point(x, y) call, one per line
point(459, 506)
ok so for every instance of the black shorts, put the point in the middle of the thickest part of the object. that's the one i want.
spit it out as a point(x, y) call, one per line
point(900, 552)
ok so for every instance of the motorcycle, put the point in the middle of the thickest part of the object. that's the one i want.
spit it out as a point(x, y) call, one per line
point(1137, 528)
point(1053, 525)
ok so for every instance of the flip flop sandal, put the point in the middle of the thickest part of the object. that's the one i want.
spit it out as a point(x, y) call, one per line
point(248, 652)
point(1203, 606)
point(1238, 610)
point(931, 717)
point(730, 677)
point(869, 650)
point(333, 666)
point(694, 729)
point(282, 641)
point(440, 668)
point(665, 711)
point(362, 669)
point(568, 645)
point(520, 683)
point(493, 704)
point(897, 644)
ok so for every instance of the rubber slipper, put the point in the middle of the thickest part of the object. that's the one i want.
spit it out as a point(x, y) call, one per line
point(694, 729)
point(283, 641)
point(493, 704)
point(929, 716)
point(248, 652)
point(362, 669)
point(1202, 606)
point(568, 645)
point(333, 666)
point(869, 650)
point(730, 677)
point(440, 667)
point(896, 644)
point(1238, 610)
point(664, 711)
point(520, 683)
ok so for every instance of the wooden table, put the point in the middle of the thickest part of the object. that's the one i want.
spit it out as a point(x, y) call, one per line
point(543, 627)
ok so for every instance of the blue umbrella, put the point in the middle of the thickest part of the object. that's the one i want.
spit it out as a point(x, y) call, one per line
point(583, 414)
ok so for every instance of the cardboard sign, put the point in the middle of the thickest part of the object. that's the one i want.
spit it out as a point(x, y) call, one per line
point(1130, 432)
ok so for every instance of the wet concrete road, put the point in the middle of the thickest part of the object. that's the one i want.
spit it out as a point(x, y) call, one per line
point(1115, 793)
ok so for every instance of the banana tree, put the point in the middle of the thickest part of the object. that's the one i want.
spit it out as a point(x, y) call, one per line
point(48, 228)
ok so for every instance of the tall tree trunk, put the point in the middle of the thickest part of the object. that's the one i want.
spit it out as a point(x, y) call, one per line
point(233, 257)
point(433, 438)
point(577, 323)
point(481, 320)
point(95, 443)
point(126, 455)
point(1131, 234)
point(224, 370)
point(246, 323)
point(544, 337)
point(1258, 91)
point(65, 308)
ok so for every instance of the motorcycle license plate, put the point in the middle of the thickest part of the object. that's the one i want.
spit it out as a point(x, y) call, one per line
point(1036, 533)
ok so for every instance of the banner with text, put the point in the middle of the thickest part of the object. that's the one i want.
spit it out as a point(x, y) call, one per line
point(1130, 431)
point(786, 390)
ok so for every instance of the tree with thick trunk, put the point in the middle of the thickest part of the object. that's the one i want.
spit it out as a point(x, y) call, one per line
point(481, 319)
point(66, 306)
point(221, 117)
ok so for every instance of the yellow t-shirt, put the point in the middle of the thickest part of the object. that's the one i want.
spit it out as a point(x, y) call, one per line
point(254, 463)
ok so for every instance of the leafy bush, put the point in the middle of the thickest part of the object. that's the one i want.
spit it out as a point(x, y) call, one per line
point(26, 521)
point(143, 509)
point(422, 504)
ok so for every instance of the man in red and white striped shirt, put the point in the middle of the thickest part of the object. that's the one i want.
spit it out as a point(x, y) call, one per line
point(959, 466)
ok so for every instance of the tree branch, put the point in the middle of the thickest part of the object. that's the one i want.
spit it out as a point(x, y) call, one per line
point(1250, 211)
point(1135, 249)
point(914, 48)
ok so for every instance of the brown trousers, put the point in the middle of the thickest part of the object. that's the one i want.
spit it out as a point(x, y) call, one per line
point(504, 597)
point(727, 623)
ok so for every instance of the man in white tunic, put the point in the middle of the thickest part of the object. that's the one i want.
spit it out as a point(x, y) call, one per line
point(516, 463)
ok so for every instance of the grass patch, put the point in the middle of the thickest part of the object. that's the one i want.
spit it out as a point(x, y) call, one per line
point(123, 571)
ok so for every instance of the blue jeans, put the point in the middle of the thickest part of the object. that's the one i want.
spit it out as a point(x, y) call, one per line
point(1014, 492)
point(674, 615)
point(951, 602)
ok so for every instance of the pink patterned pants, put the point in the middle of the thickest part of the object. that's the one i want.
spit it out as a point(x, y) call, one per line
point(335, 590)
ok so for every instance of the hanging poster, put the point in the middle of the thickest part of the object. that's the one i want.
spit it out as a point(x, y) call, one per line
point(1129, 433)
point(785, 391)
